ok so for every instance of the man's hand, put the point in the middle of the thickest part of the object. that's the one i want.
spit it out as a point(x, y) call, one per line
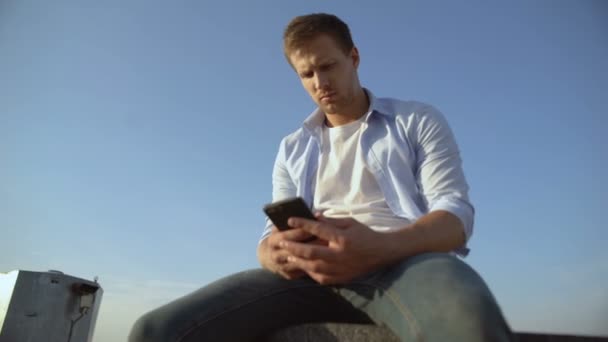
point(275, 258)
point(352, 249)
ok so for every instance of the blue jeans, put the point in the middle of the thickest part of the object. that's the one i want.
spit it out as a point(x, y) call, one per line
point(428, 297)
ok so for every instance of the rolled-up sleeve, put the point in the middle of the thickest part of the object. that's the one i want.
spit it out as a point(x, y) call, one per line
point(440, 175)
point(282, 184)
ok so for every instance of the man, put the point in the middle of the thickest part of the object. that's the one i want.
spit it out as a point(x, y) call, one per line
point(386, 181)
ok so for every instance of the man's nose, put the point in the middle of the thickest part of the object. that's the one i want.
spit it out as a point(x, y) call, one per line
point(321, 80)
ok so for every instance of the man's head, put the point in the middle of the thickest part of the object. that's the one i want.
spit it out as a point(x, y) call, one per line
point(320, 49)
point(304, 28)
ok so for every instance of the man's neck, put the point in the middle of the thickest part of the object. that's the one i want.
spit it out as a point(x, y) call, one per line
point(357, 109)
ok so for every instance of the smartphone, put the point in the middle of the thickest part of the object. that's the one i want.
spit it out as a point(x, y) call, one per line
point(279, 212)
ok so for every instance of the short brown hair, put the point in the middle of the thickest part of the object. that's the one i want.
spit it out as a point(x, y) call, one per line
point(304, 28)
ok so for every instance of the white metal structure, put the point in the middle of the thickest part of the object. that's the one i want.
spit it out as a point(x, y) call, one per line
point(47, 307)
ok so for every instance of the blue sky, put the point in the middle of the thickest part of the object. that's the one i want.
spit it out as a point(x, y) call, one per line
point(137, 139)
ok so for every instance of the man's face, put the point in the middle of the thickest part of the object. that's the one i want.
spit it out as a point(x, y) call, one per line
point(327, 73)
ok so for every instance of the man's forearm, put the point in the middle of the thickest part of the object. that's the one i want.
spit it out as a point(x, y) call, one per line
point(438, 231)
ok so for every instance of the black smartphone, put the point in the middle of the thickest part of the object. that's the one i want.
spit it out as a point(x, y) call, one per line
point(279, 212)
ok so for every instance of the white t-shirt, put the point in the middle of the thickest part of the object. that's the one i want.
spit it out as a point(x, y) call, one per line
point(344, 187)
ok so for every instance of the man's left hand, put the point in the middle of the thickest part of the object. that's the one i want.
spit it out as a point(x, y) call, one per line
point(352, 249)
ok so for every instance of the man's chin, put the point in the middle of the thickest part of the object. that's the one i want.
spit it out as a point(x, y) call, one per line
point(329, 108)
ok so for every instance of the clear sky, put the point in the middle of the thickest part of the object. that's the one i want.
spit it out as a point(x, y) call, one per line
point(137, 139)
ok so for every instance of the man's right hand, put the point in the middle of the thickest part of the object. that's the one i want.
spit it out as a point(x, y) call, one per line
point(274, 258)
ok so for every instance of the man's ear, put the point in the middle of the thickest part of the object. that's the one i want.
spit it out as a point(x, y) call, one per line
point(354, 54)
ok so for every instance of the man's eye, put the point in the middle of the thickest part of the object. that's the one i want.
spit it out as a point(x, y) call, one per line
point(306, 75)
point(327, 66)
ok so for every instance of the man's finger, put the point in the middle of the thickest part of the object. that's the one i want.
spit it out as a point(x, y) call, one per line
point(312, 266)
point(291, 234)
point(308, 251)
point(295, 234)
point(279, 257)
point(318, 228)
point(290, 267)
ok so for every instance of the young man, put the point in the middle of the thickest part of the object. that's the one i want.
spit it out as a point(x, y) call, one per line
point(386, 180)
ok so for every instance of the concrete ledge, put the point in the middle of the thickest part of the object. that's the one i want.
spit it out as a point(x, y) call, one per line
point(341, 332)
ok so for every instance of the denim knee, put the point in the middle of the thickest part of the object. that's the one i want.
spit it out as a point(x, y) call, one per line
point(462, 302)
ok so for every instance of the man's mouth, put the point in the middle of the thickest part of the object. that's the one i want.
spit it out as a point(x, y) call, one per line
point(328, 96)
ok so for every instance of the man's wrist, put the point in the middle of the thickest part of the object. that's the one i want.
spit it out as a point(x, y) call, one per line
point(401, 244)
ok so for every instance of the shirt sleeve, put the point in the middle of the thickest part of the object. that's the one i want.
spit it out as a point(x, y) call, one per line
point(440, 175)
point(282, 185)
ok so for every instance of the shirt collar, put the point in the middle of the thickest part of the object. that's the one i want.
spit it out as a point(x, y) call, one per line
point(316, 119)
